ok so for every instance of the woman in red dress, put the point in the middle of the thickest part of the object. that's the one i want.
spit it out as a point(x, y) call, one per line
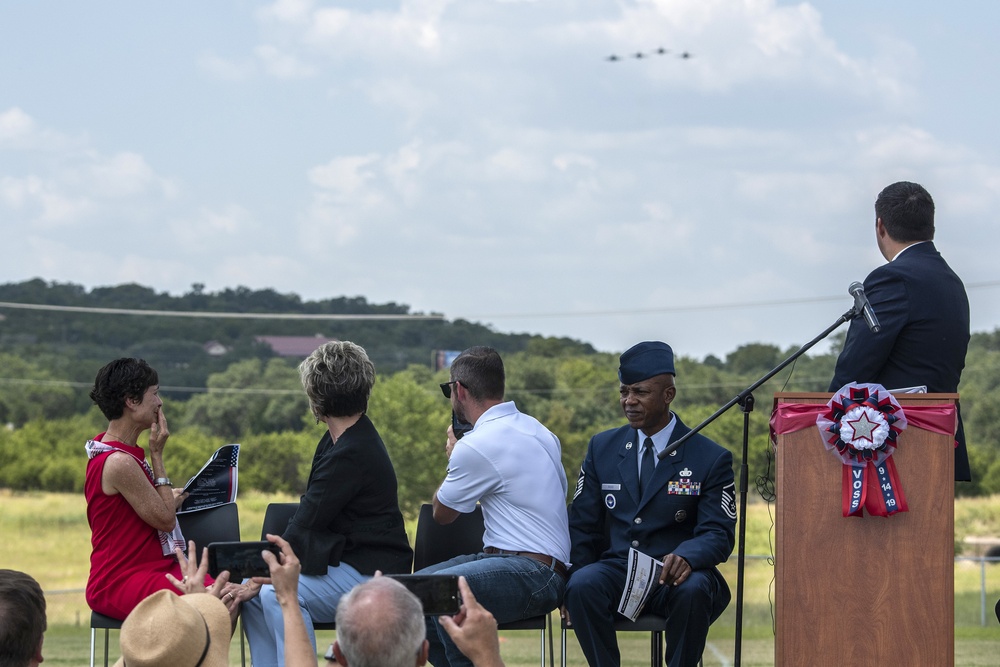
point(131, 504)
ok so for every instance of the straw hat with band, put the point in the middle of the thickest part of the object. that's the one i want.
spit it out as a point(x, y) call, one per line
point(169, 630)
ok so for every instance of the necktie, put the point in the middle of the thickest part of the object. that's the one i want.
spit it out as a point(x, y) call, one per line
point(647, 465)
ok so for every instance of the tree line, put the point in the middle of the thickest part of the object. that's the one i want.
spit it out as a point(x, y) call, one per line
point(73, 342)
point(258, 402)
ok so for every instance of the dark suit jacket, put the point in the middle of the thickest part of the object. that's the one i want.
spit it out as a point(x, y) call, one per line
point(923, 310)
point(350, 510)
point(699, 528)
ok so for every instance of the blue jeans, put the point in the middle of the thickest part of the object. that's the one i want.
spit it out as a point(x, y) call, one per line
point(318, 598)
point(510, 587)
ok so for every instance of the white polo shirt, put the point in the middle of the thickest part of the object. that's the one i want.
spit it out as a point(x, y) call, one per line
point(512, 466)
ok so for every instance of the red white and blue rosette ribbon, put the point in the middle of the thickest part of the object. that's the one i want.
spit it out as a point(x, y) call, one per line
point(861, 425)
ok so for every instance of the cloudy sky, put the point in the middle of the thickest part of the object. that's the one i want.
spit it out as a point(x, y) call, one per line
point(485, 160)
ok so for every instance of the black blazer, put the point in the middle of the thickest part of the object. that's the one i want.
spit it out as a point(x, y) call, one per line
point(923, 310)
point(350, 510)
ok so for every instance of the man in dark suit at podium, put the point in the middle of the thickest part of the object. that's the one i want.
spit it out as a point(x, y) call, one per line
point(921, 307)
point(680, 510)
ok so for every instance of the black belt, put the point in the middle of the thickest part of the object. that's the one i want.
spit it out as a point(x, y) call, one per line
point(548, 561)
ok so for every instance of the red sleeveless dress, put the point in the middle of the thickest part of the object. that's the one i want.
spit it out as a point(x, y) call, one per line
point(127, 562)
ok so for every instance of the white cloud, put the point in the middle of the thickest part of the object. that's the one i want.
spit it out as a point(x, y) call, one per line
point(567, 161)
point(15, 125)
point(209, 229)
point(403, 171)
point(909, 145)
point(414, 101)
point(283, 65)
point(22, 132)
point(225, 69)
point(330, 224)
point(415, 25)
point(287, 11)
point(354, 147)
point(344, 175)
point(734, 44)
point(58, 182)
point(377, 34)
point(15, 192)
point(43, 202)
point(123, 175)
point(513, 164)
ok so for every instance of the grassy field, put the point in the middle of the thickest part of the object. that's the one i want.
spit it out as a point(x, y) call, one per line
point(47, 536)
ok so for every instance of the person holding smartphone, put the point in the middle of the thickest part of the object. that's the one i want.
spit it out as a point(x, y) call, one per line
point(511, 465)
point(348, 523)
point(372, 611)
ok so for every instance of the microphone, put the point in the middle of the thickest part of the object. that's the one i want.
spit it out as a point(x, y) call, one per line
point(861, 305)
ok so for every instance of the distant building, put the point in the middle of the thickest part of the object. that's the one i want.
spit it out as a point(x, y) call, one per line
point(214, 348)
point(294, 346)
point(443, 358)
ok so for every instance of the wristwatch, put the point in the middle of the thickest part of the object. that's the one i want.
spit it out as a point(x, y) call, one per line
point(162, 481)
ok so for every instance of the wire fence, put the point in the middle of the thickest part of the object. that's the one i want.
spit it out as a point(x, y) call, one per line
point(977, 589)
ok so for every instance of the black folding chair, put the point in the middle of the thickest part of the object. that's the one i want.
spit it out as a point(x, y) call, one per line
point(276, 518)
point(436, 543)
point(218, 524)
point(651, 623)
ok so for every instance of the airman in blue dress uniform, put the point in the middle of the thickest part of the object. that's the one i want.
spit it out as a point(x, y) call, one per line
point(683, 512)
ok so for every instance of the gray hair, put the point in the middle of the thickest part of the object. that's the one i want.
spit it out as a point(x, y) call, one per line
point(380, 624)
point(338, 378)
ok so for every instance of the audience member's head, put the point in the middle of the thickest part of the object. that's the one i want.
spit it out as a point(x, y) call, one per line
point(338, 378)
point(120, 380)
point(22, 620)
point(380, 624)
point(168, 630)
point(480, 370)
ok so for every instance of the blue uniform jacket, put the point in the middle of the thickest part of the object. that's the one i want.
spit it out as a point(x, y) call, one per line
point(689, 508)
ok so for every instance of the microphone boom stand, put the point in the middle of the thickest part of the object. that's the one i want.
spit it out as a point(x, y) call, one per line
point(746, 400)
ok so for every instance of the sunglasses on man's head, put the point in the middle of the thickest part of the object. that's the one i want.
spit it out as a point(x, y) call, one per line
point(446, 388)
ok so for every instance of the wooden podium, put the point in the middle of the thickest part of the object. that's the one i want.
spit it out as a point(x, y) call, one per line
point(864, 591)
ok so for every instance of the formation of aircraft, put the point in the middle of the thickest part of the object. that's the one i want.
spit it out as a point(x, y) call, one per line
point(639, 55)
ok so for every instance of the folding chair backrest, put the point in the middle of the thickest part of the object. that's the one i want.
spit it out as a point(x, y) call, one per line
point(435, 543)
point(218, 524)
point(276, 518)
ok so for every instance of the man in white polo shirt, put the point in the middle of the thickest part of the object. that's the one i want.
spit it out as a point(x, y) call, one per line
point(512, 466)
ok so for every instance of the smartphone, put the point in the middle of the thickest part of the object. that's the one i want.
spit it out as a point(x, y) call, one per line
point(458, 426)
point(242, 559)
point(438, 593)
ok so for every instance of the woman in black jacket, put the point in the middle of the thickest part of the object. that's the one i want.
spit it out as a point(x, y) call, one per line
point(348, 523)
